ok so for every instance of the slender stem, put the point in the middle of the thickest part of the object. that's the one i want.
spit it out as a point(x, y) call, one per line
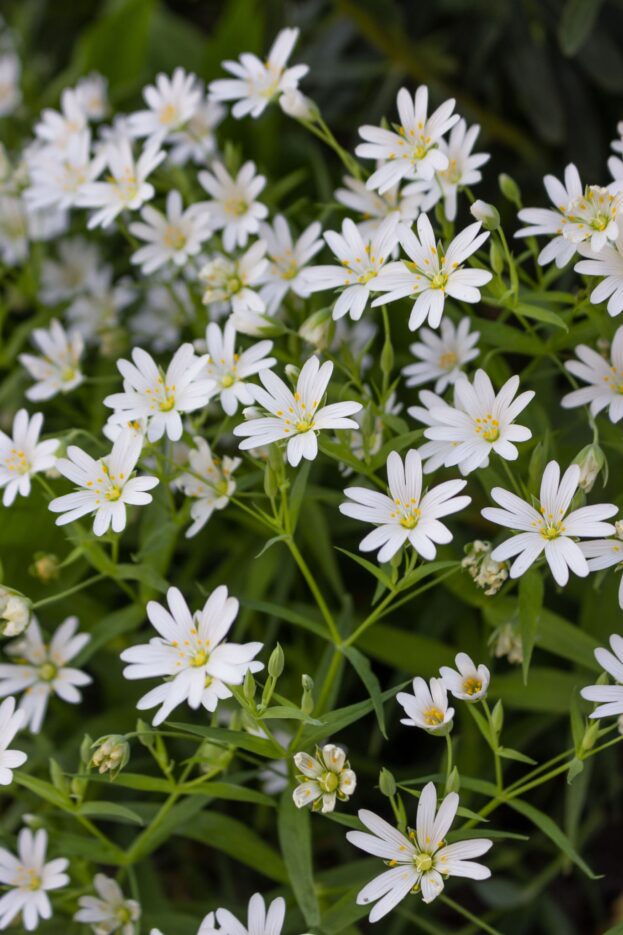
point(313, 587)
point(329, 678)
point(59, 597)
point(450, 757)
point(499, 778)
point(484, 926)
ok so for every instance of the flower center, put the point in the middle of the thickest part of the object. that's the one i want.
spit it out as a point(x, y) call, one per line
point(329, 781)
point(423, 862)
point(552, 530)
point(221, 488)
point(227, 380)
point(411, 519)
point(290, 271)
point(472, 685)
point(68, 374)
point(17, 461)
point(200, 658)
point(236, 206)
point(448, 360)
point(113, 493)
point(174, 237)
point(47, 672)
point(438, 281)
point(488, 428)
point(167, 403)
point(367, 276)
point(434, 716)
point(304, 425)
point(168, 114)
point(123, 914)
point(233, 284)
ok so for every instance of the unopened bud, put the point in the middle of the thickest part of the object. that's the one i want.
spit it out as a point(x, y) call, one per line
point(591, 461)
point(497, 717)
point(276, 662)
point(110, 754)
point(292, 372)
point(453, 782)
point(510, 189)
point(58, 777)
point(590, 736)
point(487, 214)
point(15, 612)
point(307, 701)
point(387, 783)
point(496, 257)
point(317, 328)
point(249, 686)
point(45, 567)
point(296, 105)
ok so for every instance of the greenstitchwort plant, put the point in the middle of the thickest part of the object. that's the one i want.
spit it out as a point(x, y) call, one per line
point(300, 463)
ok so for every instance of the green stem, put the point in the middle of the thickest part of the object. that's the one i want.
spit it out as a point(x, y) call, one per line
point(499, 778)
point(449, 758)
point(59, 597)
point(475, 920)
point(313, 587)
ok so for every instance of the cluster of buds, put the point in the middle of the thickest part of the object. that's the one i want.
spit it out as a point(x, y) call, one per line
point(506, 641)
point(486, 572)
point(110, 754)
point(15, 612)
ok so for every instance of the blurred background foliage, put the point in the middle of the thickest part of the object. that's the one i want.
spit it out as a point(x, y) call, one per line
point(544, 78)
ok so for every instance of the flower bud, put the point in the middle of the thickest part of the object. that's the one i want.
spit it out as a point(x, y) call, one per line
point(15, 612)
point(317, 328)
point(510, 189)
point(497, 717)
point(307, 701)
point(487, 214)
point(249, 686)
point(506, 641)
point(591, 461)
point(296, 105)
point(496, 257)
point(110, 754)
point(276, 662)
point(619, 528)
point(590, 736)
point(45, 567)
point(387, 783)
point(453, 782)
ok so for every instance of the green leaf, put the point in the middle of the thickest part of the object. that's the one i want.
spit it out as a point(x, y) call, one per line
point(548, 692)
point(407, 651)
point(549, 827)
point(576, 24)
point(236, 839)
point(503, 336)
point(531, 591)
point(294, 828)
point(298, 492)
point(374, 570)
point(110, 811)
point(509, 754)
point(289, 615)
point(146, 574)
point(361, 665)
point(239, 739)
point(44, 790)
point(289, 713)
point(337, 720)
point(540, 314)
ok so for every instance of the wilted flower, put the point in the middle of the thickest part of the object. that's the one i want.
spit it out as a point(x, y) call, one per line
point(110, 754)
point(486, 572)
point(15, 612)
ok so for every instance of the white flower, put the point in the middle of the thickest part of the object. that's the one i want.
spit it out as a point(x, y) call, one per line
point(442, 355)
point(325, 777)
point(610, 697)
point(209, 482)
point(295, 417)
point(96, 312)
point(29, 878)
point(171, 238)
point(470, 682)
point(360, 265)
point(479, 423)
point(109, 911)
point(604, 553)
point(586, 216)
point(191, 653)
point(22, 455)
point(78, 261)
point(609, 264)
point(126, 186)
point(105, 485)
point(427, 707)
point(605, 379)
point(196, 141)
point(92, 91)
point(171, 103)
point(286, 260)
point(420, 862)
point(405, 515)
point(58, 368)
point(549, 529)
point(41, 670)
point(296, 105)
point(230, 370)
point(463, 169)
point(259, 920)
point(159, 396)
point(234, 208)
point(57, 128)
point(255, 83)
point(231, 283)
point(57, 177)
point(412, 150)
point(10, 93)
point(10, 722)
point(374, 208)
point(431, 275)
